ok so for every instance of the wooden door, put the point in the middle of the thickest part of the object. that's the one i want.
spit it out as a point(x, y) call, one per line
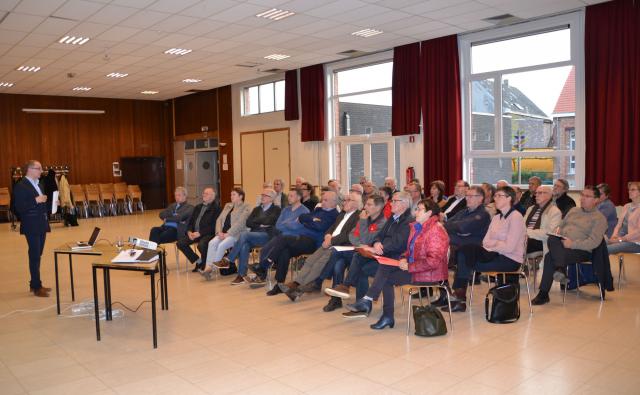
point(276, 156)
point(252, 159)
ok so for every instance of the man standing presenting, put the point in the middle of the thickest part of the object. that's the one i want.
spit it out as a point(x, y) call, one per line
point(30, 203)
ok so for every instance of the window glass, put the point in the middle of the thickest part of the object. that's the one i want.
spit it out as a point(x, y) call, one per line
point(365, 114)
point(377, 76)
point(267, 102)
point(251, 100)
point(355, 158)
point(279, 93)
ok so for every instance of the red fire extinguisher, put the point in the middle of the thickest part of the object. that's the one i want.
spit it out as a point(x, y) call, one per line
point(411, 174)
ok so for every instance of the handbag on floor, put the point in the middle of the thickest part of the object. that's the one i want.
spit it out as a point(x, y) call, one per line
point(429, 321)
point(502, 304)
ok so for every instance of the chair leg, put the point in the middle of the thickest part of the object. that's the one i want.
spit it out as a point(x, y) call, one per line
point(526, 281)
point(446, 290)
point(175, 245)
point(473, 281)
point(620, 269)
point(409, 311)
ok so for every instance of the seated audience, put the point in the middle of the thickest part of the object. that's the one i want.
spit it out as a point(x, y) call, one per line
point(504, 183)
point(489, 204)
point(518, 206)
point(581, 230)
point(334, 185)
point(456, 202)
point(563, 201)
point(200, 229)
point(607, 208)
point(469, 226)
point(423, 261)
point(386, 193)
point(304, 240)
point(436, 193)
point(390, 182)
point(541, 219)
point(369, 189)
point(415, 190)
point(336, 235)
point(357, 188)
point(626, 235)
point(528, 198)
point(261, 224)
point(390, 242)
point(280, 199)
point(309, 198)
point(230, 224)
point(175, 219)
point(299, 182)
point(502, 248)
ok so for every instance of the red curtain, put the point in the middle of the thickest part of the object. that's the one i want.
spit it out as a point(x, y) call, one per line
point(612, 88)
point(441, 110)
point(291, 95)
point(405, 93)
point(312, 102)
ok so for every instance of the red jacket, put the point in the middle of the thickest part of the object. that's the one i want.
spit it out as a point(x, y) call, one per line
point(429, 252)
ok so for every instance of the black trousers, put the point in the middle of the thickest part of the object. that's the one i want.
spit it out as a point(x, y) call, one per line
point(559, 257)
point(474, 257)
point(387, 277)
point(287, 247)
point(163, 234)
point(203, 246)
point(36, 246)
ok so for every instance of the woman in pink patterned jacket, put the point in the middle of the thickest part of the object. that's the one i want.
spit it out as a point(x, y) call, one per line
point(424, 261)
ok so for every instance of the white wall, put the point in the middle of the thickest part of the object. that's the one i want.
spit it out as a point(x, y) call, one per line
point(307, 159)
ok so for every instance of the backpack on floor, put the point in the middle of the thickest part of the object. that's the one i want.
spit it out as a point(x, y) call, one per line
point(502, 304)
point(233, 269)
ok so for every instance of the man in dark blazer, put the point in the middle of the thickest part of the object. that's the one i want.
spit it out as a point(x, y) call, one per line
point(457, 202)
point(175, 219)
point(30, 202)
point(200, 229)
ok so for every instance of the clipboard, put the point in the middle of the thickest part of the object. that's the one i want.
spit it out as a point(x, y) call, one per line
point(383, 260)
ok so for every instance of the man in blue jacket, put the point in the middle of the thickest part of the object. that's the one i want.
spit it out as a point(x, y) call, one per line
point(30, 204)
point(305, 239)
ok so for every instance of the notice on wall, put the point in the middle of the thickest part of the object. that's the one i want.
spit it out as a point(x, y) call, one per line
point(178, 164)
point(225, 166)
point(115, 166)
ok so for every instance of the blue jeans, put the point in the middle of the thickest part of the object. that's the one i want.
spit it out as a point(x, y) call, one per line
point(242, 248)
point(625, 246)
point(360, 270)
point(335, 268)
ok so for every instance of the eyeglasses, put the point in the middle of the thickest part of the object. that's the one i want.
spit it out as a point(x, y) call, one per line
point(396, 200)
point(541, 193)
point(502, 195)
point(587, 196)
point(472, 196)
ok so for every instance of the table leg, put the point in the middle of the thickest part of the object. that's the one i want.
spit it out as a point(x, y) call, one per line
point(73, 292)
point(105, 278)
point(55, 264)
point(95, 303)
point(153, 309)
point(165, 293)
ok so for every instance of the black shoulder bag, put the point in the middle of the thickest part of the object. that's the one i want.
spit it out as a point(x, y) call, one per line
point(429, 321)
point(502, 304)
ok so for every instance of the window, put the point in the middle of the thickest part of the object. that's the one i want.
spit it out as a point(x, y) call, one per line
point(263, 98)
point(522, 115)
point(360, 107)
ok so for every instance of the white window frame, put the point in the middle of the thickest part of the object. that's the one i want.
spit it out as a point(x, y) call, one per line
point(366, 139)
point(244, 90)
point(576, 22)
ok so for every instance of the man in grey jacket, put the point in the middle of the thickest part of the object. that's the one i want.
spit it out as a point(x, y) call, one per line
point(581, 231)
point(175, 219)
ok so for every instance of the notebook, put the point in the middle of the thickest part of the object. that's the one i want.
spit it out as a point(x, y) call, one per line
point(86, 245)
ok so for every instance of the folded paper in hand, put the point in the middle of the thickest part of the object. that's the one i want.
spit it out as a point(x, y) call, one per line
point(383, 260)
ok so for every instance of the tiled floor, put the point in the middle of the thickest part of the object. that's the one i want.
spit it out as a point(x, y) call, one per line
point(221, 339)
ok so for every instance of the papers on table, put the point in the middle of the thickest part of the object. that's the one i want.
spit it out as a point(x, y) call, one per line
point(344, 248)
point(135, 256)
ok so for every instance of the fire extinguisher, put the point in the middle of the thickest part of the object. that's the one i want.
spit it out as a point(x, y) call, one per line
point(411, 174)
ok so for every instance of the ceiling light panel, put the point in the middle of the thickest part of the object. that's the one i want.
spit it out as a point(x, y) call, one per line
point(82, 88)
point(177, 51)
point(275, 14)
point(29, 69)
point(191, 80)
point(117, 75)
point(73, 40)
point(367, 33)
point(6, 84)
point(277, 56)
point(149, 92)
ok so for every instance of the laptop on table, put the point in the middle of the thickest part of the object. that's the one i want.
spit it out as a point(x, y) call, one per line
point(86, 245)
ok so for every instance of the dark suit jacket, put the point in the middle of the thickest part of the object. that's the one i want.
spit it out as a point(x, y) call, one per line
point(208, 221)
point(33, 216)
point(395, 234)
point(459, 207)
point(181, 217)
point(343, 237)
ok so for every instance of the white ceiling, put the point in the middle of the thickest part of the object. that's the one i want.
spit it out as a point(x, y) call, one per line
point(130, 36)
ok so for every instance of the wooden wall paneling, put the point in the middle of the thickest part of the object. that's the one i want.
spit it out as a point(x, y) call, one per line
point(225, 135)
